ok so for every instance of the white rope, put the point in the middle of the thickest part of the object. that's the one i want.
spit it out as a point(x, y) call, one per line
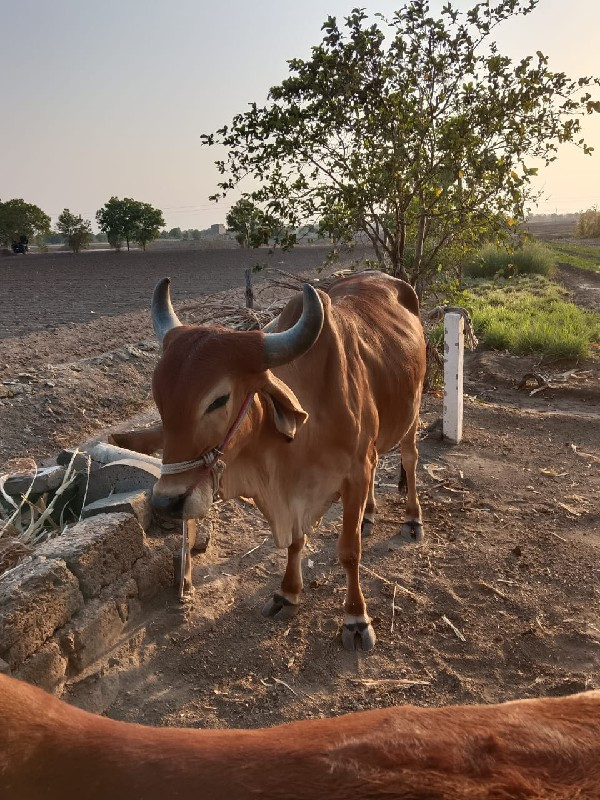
point(437, 313)
point(208, 459)
point(184, 466)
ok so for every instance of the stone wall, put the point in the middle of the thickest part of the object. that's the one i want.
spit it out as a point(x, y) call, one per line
point(68, 603)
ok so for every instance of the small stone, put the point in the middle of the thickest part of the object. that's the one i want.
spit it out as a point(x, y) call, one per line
point(98, 550)
point(46, 480)
point(154, 572)
point(200, 537)
point(136, 503)
point(36, 597)
point(127, 475)
point(46, 668)
point(80, 462)
point(91, 633)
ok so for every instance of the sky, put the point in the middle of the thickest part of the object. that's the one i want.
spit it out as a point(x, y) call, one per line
point(110, 97)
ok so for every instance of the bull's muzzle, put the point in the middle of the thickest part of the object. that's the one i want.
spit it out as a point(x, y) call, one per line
point(169, 505)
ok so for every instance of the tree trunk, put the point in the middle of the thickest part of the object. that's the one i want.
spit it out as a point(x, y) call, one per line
point(398, 268)
point(249, 290)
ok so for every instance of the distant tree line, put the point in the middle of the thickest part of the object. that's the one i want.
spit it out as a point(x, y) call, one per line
point(192, 234)
point(120, 222)
point(176, 233)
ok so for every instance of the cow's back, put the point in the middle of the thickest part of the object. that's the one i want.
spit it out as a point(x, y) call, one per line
point(370, 355)
point(373, 283)
point(384, 314)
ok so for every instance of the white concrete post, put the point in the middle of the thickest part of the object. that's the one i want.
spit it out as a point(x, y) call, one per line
point(454, 347)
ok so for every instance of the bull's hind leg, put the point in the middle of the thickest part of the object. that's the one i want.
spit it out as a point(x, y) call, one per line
point(284, 604)
point(357, 633)
point(412, 528)
point(368, 518)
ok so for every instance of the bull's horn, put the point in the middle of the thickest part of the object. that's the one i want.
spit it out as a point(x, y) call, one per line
point(281, 348)
point(163, 316)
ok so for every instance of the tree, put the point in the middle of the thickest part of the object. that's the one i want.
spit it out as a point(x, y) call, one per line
point(149, 222)
point(130, 221)
point(251, 225)
point(54, 237)
point(175, 233)
point(421, 136)
point(18, 218)
point(76, 230)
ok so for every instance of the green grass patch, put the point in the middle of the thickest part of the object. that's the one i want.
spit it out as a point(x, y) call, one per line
point(528, 315)
point(584, 256)
point(533, 258)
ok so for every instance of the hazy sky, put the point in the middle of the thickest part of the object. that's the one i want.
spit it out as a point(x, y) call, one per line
point(109, 97)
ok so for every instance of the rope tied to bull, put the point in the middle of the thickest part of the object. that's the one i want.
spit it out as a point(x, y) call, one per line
point(435, 361)
point(438, 313)
point(210, 460)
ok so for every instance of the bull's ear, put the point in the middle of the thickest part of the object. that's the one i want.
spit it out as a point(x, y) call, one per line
point(285, 410)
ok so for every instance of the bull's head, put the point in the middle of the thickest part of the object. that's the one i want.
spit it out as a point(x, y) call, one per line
point(205, 383)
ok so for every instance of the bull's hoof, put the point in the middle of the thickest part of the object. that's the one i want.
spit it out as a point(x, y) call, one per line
point(279, 607)
point(358, 636)
point(411, 532)
point(186, 593)
point(366, 528)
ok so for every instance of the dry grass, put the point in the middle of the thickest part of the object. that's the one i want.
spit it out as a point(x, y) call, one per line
point(28, 523)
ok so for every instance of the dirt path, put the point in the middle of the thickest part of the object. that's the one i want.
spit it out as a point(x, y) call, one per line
point(583, 284)
point(45, 292)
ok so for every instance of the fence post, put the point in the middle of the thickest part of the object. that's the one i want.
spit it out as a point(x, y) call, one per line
point(454, 346)
point(249, 290)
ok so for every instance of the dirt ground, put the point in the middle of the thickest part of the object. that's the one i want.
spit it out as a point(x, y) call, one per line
point(551, 229)
point(501, 600)
point(77, 349)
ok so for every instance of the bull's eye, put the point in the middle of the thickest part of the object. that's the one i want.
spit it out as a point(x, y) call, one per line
point(218, 403)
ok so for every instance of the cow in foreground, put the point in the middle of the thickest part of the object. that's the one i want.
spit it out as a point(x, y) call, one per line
point(543, 749)
point(295, 419)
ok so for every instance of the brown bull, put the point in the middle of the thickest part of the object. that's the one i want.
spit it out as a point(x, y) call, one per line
point(298, 417)
point(524, 750)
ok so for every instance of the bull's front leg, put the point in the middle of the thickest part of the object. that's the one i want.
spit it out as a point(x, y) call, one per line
point(357, 633)
point(284, 604)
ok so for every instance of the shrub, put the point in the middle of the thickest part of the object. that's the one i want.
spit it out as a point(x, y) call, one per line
point(75, 229)
point(532, 258)
point(588, 224)
point(531, 315)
